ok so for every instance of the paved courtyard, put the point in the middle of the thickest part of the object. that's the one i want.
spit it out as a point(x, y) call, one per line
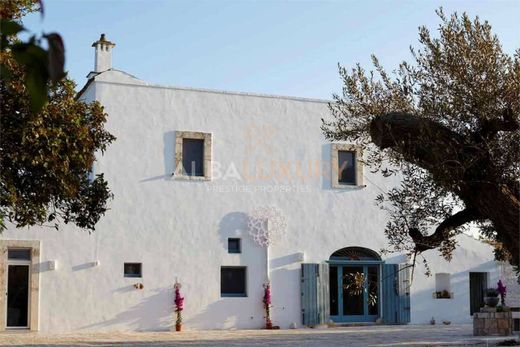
point(411, 335)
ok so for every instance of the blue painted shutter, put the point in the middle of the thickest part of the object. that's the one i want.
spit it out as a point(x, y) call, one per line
point(323, 293)
point(390, 297)
point(404, 277)
point(396, 293)
point(315, 294)
point(308, 292)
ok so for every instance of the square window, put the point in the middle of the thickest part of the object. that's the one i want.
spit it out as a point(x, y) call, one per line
point(443, 286)
point(19, 254)
point(234, 245)
point(193, 157)
point(233, 281)
point(346, 167)
point(133, 270)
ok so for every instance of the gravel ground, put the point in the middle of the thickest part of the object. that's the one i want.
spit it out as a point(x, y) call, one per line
point(411, 335)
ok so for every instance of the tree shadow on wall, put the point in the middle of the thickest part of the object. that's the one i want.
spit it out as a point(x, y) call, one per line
point(227, 313)
point(168, 159)
point(424, 306)
point(233, 225)
point(153, 313)
point(235, 312)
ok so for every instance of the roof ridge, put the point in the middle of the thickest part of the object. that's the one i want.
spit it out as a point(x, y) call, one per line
point(206, 90)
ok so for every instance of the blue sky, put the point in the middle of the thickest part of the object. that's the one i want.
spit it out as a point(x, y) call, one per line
point(274, 47)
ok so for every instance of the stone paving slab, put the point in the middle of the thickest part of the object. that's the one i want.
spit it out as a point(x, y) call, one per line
point(410, 335)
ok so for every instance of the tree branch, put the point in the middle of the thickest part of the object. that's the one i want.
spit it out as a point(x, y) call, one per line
point(490, 127)
point(442, 232)
point(459, 165)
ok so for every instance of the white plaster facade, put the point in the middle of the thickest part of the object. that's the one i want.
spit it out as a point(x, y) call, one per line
point(178, 229)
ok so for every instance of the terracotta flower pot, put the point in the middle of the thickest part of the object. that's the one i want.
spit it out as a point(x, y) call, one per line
point(178, 327)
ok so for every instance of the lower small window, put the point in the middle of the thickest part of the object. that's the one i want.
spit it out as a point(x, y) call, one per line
point(233, 281)
point(133, 270)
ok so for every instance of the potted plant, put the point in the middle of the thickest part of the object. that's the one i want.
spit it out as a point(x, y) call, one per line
point(267, 305)
point(179, 306)
point(502, 290)
point(443, 294)
point(446, 294)
point(491, 298)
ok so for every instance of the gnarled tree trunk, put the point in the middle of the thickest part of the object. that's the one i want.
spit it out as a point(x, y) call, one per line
point(462, 166)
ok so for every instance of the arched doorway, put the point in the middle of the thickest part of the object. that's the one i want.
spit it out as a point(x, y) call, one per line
point(355, 285)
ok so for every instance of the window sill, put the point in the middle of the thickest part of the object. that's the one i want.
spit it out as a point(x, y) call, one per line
point(233, 295)
point(191, 178)
point(348, 186)
point(436, 297)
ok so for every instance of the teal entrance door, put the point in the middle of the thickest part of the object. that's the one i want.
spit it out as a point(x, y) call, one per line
point(355, 285)
point(354, 292)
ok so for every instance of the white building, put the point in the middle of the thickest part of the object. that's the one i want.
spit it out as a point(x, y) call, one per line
point(249, 151)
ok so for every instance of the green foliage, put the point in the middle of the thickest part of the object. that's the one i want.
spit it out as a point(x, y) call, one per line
point(46, 157)
point(16, 9)
point(462, 92)
point(48, 138)
point(40, 65)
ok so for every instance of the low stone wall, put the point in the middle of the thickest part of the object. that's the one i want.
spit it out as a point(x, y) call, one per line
point(492, 323)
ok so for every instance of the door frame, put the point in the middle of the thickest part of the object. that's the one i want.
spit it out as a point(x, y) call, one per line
point(19, 263)
point(357, 263)
point(34, 281)
point(485, 286)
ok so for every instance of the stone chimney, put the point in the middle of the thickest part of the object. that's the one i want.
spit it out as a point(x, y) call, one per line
point(103, 54)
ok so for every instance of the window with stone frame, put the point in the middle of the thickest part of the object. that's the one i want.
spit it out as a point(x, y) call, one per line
point(193, 155)
point(346, 165)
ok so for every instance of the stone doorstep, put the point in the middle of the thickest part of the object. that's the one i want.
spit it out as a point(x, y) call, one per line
point(353, 324)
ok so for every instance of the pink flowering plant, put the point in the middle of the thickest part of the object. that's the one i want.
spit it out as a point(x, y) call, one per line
point(179, 303)
point(267, 305)
point(502, 290)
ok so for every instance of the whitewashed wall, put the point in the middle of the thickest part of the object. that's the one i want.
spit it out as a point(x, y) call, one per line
point(179, 229)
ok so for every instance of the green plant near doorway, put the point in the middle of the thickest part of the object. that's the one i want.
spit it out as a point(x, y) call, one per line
point(357, 283)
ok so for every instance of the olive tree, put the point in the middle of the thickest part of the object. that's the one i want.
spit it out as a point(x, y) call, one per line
point(448, 123)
